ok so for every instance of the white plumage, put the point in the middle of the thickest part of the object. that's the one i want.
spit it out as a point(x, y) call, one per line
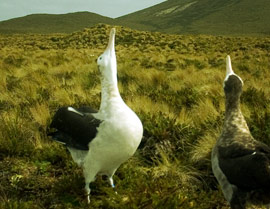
point(116, 131)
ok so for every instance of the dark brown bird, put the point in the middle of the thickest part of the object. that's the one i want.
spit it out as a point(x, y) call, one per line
point(239, 162)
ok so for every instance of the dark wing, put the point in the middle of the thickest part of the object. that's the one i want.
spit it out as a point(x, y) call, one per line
point(75, 128)
point(248, 169)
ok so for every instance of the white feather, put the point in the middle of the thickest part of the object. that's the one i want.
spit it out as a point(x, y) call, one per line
point(71, 109)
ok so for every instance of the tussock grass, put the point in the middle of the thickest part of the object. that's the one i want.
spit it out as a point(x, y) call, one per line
point(174, 83)
point(40, 114)
point(204, 111)
point(201, 151)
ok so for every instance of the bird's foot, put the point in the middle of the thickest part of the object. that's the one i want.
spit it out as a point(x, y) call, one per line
point(88, 190)
point(88, 198)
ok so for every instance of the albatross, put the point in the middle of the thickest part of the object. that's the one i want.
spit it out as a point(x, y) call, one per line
point(240, 164)
point(100, 141)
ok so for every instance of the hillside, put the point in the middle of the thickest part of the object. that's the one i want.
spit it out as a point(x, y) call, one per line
point(215, 17)
point(51, 23)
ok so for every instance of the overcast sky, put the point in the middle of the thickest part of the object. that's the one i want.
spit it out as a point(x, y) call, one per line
point(110, 8)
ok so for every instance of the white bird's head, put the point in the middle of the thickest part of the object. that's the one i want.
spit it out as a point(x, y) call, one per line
point(107, 61)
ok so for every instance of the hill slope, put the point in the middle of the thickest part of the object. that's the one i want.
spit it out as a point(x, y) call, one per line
point(50, 23)
point(203, 17)
point(215, 17)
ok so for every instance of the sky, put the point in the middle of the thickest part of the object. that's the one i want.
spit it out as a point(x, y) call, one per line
point(110, 8)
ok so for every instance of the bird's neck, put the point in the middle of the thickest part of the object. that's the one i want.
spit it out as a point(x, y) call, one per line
point(234, 119)
point(232, 106)
point(109, 93)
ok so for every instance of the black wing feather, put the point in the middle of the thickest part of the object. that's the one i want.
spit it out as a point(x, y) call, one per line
point(249, 169)
point(73, 129)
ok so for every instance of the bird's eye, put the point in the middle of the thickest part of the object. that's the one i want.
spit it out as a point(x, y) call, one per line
point(100, 58)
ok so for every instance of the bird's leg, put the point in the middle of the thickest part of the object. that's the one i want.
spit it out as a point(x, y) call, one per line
point(238, 199)
point(88, 190)
point(112, 184)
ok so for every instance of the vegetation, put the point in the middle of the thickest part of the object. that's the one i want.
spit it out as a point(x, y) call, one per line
point(213, 17)
point(52, 23)
point(174, 84)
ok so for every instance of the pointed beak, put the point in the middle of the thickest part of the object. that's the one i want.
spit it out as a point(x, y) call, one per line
point(228, 66)
point(229, 70)
point(110, 46)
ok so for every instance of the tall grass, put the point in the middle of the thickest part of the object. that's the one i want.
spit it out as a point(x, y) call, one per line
point(174, 84)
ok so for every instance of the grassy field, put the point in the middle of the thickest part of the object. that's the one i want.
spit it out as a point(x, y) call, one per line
point(173, 82)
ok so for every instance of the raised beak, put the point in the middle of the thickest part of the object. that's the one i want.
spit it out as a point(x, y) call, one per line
point(110, 46)
point(229, 69)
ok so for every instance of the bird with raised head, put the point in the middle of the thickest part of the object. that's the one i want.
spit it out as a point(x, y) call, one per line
point(100, 141)
point(240, 163)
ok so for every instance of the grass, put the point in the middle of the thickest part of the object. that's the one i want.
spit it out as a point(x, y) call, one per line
point(242, 18)
point(52, 23)
point(174, 84)
point(202, 17)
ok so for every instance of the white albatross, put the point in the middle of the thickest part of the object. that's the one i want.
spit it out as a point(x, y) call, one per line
point(100, 141)
point(239, 162)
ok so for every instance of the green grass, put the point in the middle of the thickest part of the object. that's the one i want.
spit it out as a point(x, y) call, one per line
point(213, 17)
point(52, 23)
point(174, 83)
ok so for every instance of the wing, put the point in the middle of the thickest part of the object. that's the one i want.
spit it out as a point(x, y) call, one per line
point(75, 127)
point(249, 169)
